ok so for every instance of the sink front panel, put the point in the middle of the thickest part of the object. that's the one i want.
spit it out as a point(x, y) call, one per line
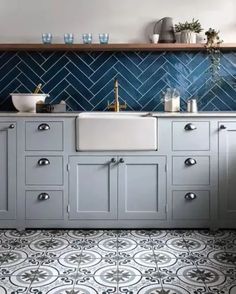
point(116, 133)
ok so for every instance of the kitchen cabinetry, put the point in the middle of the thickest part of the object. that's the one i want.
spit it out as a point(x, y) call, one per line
point(98, 183)
point(227, 170)
point(93, 187)
point(189, 181)
point(142, 187)
point(7, 170)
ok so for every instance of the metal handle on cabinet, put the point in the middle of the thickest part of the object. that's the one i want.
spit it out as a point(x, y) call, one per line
point(190, 196)
point(121, 160)
point(190, 161)
point(223, 127)
point(43, 127)
point(43, 196)
point(113, 160)
point(12, 126)
point(43, 161)
point(190, 127)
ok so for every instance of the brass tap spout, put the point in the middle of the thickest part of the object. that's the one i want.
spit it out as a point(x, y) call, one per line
point(116, 104)
point(116, 92)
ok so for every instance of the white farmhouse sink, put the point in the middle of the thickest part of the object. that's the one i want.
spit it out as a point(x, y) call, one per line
point(98, 131)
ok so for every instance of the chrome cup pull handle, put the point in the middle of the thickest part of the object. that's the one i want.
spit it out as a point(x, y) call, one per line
point(12, 126)
point(43, 127)
point(190, 161)
point(43, 161)
point(121, 160)
point(43, 196)
point(113, 160)
point(190, 127)
point(190, 196)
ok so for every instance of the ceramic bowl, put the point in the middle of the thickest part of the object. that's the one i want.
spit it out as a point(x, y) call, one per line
point(27, 102)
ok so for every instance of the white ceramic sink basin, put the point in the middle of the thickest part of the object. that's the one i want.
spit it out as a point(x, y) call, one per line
point(98, 131)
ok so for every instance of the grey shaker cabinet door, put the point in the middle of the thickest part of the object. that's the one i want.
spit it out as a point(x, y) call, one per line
point(227, 170)
point(92, 188)
point(142, 187)
point(7, 171)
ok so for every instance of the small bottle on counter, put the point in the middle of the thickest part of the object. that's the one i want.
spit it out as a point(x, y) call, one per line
point(172, 100)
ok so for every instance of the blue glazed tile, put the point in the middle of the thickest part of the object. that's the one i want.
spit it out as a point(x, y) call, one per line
point(79, 75)
point(159, 62)
point(8, 78)
point(107, 78)
point(160, 74)
point(110, 62)
point(127, 74)
point(148, 59)
point(50, 59)
point(103, 93)
point(30, 60)
point(56, 79)
point(85, 79)
point(129, 63)
point(157, 88)
point(8, 66)
point(85, 92)
point(100, 59)
point(80, 63)
point(53, 70)
point(129, 87)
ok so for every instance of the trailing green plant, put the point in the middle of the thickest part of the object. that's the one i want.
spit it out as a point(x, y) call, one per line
point(213, 49)
point(193, 26)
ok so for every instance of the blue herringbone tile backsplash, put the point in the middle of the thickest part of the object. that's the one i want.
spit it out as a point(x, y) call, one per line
point(85, 80)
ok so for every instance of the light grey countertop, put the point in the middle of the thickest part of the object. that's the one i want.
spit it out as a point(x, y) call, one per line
point(156, 114)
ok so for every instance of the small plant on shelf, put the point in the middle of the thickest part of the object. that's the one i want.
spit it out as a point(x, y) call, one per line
point(213, 49)
point(193, 26)
point(187, 31)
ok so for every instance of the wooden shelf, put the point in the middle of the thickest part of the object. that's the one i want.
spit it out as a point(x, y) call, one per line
point(111, 47)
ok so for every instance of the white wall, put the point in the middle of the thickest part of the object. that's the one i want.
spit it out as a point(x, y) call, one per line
point(125, 20)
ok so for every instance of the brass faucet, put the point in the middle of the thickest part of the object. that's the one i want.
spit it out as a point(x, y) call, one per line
point(116, 106)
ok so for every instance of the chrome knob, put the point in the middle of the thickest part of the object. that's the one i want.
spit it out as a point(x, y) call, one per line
point(121, 160)
point(113, 160)
point(223, 127)
point(43, 127)
point(12, 126)
point(190, 161)
point(43, 161)
point(190, 127)
point(190, 196)
point(43, 196)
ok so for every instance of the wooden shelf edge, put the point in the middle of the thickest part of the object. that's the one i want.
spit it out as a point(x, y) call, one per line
point(112, 47)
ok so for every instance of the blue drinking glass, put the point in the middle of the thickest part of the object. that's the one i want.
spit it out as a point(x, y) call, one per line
point(104, 38)
point(68, 38)
point(47, 38)
point(87, 38)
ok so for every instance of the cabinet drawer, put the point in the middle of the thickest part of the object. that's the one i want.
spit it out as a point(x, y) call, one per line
point(190, 135)
point(42, 170)
point(44, 135)
point(44, 205)
point(191, 170)
point(191, 207)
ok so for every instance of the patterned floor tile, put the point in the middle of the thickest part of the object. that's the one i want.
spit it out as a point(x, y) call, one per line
point(118, 261)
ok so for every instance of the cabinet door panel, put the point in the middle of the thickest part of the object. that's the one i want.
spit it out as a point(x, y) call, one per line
point(142, 188)
point(7, 171)
point(227, 171)
point(93, 188)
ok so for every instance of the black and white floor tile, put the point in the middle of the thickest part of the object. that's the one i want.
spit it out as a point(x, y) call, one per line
point(117, 261)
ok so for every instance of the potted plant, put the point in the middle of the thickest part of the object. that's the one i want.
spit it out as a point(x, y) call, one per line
point(213, 49)
point(187, 32)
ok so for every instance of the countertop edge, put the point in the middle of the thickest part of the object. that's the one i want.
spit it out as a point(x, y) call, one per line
point(154, 114)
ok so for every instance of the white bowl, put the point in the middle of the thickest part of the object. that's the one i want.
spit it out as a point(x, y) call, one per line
point(27, 102)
